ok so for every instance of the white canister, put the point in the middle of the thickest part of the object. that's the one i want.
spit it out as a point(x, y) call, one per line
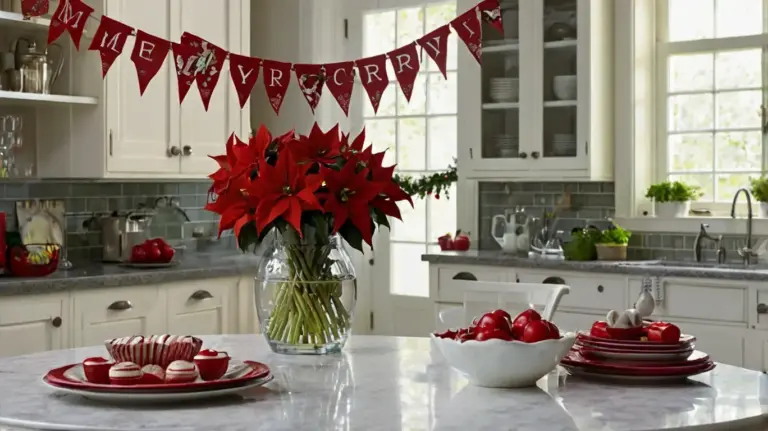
point(671, 209)
point(763, 209)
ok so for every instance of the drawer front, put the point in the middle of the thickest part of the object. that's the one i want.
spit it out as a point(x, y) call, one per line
point(450, 280)
point(588, 292)
point(697, 299)
point(200, 308)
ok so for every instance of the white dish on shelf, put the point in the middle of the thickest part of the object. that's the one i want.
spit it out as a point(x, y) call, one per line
point(565, 87)
point(505, 89)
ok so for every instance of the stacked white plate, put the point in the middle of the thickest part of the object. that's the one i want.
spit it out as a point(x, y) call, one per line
point(505, 89)
point(508, 145)
point(563, 144)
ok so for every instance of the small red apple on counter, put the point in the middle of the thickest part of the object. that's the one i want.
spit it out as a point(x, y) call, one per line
point(154, 250)
point(461, 242)
point(445, 242)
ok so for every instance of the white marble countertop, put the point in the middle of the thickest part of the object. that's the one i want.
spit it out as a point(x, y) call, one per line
point(388, 383)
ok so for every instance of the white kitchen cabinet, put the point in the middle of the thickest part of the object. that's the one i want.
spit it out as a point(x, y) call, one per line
point(515, 125)
point(34, 323)
point(247, 319)
point(572, 322)
point(129, 135)
point(202, 307)
point(591, 292)
point(447, 281)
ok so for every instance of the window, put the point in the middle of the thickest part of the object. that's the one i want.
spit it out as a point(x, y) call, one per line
point(711, 84)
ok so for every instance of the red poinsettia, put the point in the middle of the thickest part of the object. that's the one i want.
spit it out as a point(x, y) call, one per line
point(349, 196)
point(346, 148)
point(318, 147)
point(235, 208)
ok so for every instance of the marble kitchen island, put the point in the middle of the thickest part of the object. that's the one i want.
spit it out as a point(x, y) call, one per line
point(389, 383)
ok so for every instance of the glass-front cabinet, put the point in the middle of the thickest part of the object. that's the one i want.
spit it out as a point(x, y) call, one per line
point(541, 103)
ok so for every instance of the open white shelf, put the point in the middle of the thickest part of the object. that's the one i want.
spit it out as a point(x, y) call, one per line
point(561, 44)
point(19, 98)
point(560, 103)
point(16, 20)
point(507, 45)
point(501, 105)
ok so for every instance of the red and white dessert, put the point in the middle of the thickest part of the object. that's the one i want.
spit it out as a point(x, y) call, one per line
point(157, 349)
point(181, 372)
point(125, 374)
point(96, 370)
point(153, 374)
point(211, 364)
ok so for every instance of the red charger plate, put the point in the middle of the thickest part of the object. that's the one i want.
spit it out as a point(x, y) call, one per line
point(629, 378)
point(684, 339)
point(618, 348)
point(697, 362)
point(640, 359)
point(237, 374)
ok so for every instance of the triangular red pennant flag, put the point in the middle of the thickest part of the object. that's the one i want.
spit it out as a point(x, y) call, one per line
point(405, 61)
point(311, 81)
point(70, 16)
point(244, 72)
point(340, 80)
point(184, 58)
point(490, 12)
point(277, 77)
point(31, 8)
point(208, 67)
point(436, 45)
point(467, 26)
point(148, 56)
point(373, 72)
point(109, 40)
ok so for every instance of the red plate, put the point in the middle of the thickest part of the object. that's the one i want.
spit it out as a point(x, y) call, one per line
point(684, 340)
point(697, 362)
point(630, 379)
point(70, 376)
point(618, 348)
point(642, 359)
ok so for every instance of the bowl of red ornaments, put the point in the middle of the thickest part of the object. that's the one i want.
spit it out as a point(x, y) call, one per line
point(499, 351)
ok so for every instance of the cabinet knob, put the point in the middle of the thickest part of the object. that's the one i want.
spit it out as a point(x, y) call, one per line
point(187, 149)
point(600, 288)
point(56, 322)
point(762, 309)
point(174, 151)
point(535, 154)
point(120, 306)
point(523, 155)
point(201, 295)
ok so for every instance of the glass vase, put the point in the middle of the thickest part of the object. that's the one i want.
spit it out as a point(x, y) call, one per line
point(305, 295)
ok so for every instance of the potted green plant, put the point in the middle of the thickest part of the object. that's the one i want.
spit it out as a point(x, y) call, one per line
point(612, 244)
point(760, 192)
point(672, 198)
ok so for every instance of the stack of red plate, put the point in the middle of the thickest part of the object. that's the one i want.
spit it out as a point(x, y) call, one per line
point(635, 360)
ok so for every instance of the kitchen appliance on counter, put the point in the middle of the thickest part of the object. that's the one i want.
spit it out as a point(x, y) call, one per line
point(39, 67)
point(120, 232)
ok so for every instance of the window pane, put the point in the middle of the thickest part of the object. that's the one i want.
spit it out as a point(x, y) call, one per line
point(442, 142)
point(379, 33)
point(705, 181)
point(442, 215)
point(418, 103)
point(691, 152)
point(738, 18)
point(381, 134)
point(414, 224)
point(738, 109)
point(691, 72)
point(408, 274)
point(386, 104)
point(728, 184)
point(691, 19)
point(442, 94)
point(437, 15)
point(691, 112)
point(412, 144)
point(739, 151)
point(410, 25)
point(738, 69)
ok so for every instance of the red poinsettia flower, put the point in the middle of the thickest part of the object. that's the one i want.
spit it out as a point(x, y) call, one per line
point(355, 147)
point(227, 162)
point(284, 190)
point(318, 147)
point(392, 190)
point(235, 208)
point(349, 196)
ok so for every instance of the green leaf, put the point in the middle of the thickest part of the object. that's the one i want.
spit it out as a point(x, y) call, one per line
point(248, 237)
point(381, 218)
point(350, 233)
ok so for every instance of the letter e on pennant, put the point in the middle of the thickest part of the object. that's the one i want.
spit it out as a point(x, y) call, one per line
point(148, 56)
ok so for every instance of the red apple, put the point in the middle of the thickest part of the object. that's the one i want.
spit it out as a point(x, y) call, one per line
point(445, 242)
point(540, 330)
point(461, 243)
point(521, 321)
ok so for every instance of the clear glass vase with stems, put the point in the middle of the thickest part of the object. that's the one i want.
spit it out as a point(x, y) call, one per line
point(305, 294)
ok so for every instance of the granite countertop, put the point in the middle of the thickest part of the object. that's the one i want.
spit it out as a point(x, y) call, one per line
point(659, 269)
point(192, 266)
point(390, 383)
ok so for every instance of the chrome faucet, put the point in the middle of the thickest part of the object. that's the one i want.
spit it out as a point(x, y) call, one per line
point(697, 244)
point(745, 252)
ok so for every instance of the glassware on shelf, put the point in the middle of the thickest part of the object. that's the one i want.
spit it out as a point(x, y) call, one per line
point(10, 135)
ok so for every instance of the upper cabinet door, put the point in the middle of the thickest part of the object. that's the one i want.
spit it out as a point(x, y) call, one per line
point(223, 23)
point(141, 129)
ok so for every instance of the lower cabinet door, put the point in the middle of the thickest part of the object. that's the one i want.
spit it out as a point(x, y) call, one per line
point(722, 344)
point(32, 324)
point(201, 308)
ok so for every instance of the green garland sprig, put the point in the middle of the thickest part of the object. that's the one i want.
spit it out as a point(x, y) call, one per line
point(436, 184)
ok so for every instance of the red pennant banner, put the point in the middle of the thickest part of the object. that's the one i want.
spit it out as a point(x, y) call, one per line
point(311, 80)
point(277, 77)
point(490, 12)
point(405, 61)
point(467, 26)
point(208, 66)
point(109, 40)
point(244, 72)
point(70, 16)
point(340, 80)
point(31, 8)
point(148, 56)
point(436, 45)
point(373, 72)
point(184, 58)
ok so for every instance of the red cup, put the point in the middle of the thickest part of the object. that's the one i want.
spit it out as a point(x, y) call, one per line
point(96, 370)
point(212, 365)
point(664, 332)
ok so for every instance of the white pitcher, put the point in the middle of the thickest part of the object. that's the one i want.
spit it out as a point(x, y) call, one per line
point(508, 241)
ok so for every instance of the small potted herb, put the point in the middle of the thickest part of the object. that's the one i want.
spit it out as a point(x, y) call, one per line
point(582, 244)
point(672, 198)
point(612, 244)
point(760, 192)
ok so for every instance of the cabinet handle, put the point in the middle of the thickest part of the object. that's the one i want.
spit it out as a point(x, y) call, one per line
point(470, 153)
point(56, 322)
point(120, 306)
point(523, 155)
point(174, 151)
point(467, 276)
point(201, 295)
point(110, 142)
point(762, 309)
point(586, 147)
point(535, 154)
point(187, 150)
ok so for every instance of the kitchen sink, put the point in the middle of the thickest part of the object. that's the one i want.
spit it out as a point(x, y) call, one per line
point(691, 264)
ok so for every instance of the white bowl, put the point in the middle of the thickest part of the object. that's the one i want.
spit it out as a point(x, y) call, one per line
point(504, 364)
point(564, 87)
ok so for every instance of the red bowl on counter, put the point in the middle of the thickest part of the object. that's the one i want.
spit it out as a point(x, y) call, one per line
point(33, 260)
